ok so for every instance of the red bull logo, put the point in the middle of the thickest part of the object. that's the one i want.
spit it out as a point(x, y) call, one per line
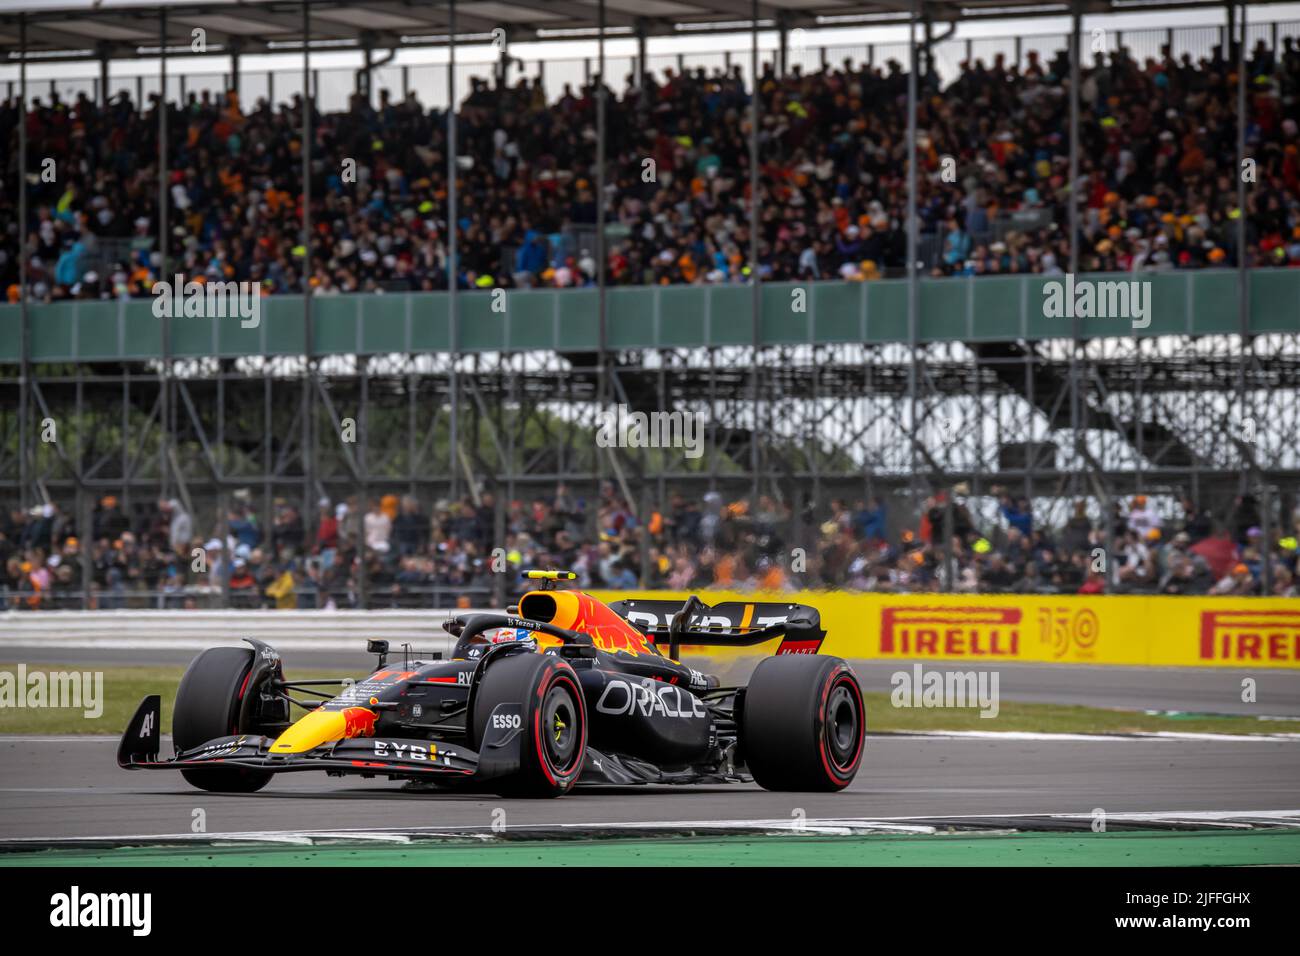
point(582, 612)
point(1250, 636)
point(609, 631)
point(358, 722)
point(950, 631)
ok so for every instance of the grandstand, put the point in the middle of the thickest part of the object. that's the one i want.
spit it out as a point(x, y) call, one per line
point(919, 369)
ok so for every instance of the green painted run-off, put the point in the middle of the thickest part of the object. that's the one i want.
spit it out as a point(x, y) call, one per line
point(1134, 848)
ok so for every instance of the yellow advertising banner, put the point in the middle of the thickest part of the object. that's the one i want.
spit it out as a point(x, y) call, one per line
point(1156, 630)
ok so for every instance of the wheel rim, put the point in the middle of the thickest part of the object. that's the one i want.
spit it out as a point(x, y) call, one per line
point(842, 726)
point(560, 728)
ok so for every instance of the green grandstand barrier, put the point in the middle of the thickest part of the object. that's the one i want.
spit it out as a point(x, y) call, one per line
point(990, 308)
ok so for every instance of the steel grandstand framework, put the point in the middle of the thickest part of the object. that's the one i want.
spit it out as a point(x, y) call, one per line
point(1210, 416)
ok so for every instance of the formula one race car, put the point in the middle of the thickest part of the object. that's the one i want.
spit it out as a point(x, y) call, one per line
point(560, 688)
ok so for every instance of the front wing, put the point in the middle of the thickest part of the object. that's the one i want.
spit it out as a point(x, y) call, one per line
point(370, 756)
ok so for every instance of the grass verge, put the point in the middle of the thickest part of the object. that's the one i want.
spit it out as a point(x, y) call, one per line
point(123, 689)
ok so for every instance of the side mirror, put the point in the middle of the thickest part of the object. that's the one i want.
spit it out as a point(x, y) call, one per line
point(376, 647)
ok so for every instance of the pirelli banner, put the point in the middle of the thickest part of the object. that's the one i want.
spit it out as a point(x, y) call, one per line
point(1162, 631)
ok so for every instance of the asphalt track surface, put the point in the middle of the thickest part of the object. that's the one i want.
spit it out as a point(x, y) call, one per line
point(1200, 690)
point(64, 787)
point(61, 787)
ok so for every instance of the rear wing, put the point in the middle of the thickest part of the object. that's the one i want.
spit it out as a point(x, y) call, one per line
point(730, 624)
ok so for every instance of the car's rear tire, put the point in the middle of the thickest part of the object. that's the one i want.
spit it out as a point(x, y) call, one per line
point(554, 722)
point(208, 704)
point(803, 724)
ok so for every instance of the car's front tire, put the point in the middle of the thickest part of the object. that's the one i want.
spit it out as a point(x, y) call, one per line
point(553, 722)
point(208, 705)
point(803, 724)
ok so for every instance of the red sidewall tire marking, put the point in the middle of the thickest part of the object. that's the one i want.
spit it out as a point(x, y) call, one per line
point(559, 778)
point(845, 775)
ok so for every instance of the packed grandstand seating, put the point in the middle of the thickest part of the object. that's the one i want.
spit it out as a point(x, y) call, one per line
point(1158, 154)
point(1159, 157)
point(158, 557)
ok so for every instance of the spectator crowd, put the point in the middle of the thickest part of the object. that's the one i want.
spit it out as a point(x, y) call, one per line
point(1158, 189)
point(1158, 192)
point(391, 552)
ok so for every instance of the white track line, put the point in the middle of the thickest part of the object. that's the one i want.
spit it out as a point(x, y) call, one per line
point(829, 826)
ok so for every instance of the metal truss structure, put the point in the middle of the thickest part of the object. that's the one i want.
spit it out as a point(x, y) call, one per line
point(1165, 416)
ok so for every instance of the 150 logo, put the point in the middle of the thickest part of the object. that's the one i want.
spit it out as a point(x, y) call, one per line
point(1064, 631)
